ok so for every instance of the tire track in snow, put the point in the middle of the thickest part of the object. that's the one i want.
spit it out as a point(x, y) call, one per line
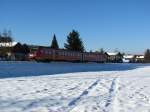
point(111, 95)
point(72, 104)
point(115, 89)
point(84, 93)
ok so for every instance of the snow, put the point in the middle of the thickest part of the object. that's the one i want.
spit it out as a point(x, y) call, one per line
point(140, 57)
point(128, 56)
point(111, 53)
point(107, 90)
point(8, 44)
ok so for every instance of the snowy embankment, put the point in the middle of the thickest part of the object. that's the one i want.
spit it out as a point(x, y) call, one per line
point(105, 91)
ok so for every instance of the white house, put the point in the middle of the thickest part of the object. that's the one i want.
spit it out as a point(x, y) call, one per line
point(114, 57)
point(8, 44)
point(139, 58)
point(128, 58)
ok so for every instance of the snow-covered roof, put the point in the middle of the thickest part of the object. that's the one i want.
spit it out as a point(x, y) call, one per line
point(14, 43)
point(140, 56)
point(111, 53)
point(8, 44)
point(128, 56)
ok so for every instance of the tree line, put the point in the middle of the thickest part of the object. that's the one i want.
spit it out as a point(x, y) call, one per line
point(73, 42)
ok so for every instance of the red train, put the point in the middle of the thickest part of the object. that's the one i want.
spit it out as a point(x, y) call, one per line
point(48, 54)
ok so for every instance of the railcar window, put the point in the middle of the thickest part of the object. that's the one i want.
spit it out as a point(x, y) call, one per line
point(41, 51)
point(68, 54)
point(46, 52)
point(62, 53)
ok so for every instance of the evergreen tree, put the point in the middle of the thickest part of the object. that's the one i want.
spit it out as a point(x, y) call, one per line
point(54, 43)
point(101, 50)
point(119, 57)
point(119, 54)
point(147, 56)
point(74, 42)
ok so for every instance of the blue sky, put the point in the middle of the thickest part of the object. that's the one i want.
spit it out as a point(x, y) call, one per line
point(108, 24)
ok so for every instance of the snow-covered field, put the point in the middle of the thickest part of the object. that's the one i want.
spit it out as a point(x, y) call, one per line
point(121, 88)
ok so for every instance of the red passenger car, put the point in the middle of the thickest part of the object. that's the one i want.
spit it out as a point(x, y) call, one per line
point(48, 54)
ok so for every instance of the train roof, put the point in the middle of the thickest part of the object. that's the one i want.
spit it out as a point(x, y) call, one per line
point(41, 47)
